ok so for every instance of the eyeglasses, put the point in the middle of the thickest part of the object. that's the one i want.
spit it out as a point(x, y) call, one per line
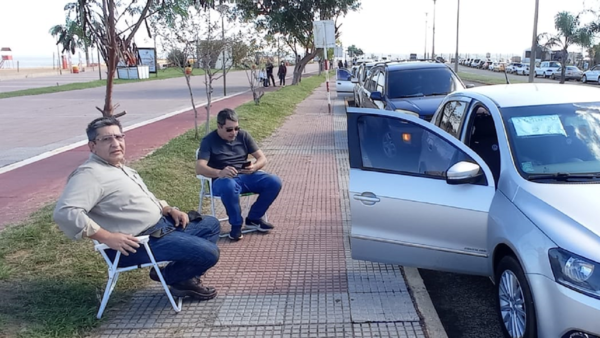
point(230, 129)
point(107, 139)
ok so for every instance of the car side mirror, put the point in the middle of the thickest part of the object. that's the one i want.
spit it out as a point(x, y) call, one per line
point(376, 96)
point(463, 173)
point(353, 80)
point(470, 85)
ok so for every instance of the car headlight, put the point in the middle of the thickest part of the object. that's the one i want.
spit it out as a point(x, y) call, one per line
point(408, 112)
point(575, 272)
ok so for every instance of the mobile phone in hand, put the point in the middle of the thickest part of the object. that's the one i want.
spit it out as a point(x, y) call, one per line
point(246, 164)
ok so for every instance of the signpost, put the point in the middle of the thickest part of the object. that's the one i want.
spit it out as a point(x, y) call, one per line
point(148, 58)
point(324, 37)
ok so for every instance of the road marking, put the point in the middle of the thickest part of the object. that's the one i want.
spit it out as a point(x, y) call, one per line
point(57, 151)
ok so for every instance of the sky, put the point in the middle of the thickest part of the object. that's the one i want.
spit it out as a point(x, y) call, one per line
point(388, 27)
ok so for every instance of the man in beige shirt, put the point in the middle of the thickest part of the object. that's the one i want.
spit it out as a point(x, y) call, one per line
point(108, 201)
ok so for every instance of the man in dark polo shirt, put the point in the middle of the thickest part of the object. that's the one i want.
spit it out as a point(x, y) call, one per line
point(223, 156)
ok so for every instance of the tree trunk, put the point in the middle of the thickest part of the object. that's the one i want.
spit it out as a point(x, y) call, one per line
point(563, 65)
point(189, 85)
point(208, 82)
point(87, 54)
point(299, 67)
point(112, 59)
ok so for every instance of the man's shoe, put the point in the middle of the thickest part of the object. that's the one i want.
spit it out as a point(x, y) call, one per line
point(236, 233)
point(260, 225)
point(154, 275)
point(193, 288)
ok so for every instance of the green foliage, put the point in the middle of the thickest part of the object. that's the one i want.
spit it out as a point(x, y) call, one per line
point(355, 51)
point(177, 58)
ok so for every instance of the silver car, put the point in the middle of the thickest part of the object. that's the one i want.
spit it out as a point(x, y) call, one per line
point(504, 182)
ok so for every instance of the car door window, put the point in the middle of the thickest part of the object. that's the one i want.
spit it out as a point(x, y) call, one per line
point(343, 75)
point(389, 144)
point(452, 117)
point(371, 84)
point(381, 82)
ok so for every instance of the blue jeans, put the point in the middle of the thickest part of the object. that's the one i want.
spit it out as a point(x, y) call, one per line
point(191, 251)
point(266, 185)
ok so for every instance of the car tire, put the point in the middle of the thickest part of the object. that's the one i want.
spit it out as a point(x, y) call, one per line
point(584, 79)
point(515, 299)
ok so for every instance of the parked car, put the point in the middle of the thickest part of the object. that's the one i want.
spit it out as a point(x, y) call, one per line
point(591, 75)
point(504, 182)
point(359, 87)
point(571, 73)
point(521, 69)
point(413, 87)
point(546, 68)
point(512, 67)
point(475, 63)
point(499, 67)
point(343, 81)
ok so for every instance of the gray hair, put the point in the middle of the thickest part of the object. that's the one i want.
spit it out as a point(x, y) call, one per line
point(92, 128)
point(226, 114)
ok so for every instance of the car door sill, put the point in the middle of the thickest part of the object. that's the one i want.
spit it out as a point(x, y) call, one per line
point(422, 246)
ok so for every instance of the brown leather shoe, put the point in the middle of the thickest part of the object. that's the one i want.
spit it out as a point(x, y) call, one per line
point(193, 288)
point(154, 275)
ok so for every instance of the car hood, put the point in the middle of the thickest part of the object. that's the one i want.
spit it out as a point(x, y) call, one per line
point(567, 213)
point(424, 106)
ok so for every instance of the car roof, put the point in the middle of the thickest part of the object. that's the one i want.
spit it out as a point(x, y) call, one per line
point(534, 94)
point(413, 65)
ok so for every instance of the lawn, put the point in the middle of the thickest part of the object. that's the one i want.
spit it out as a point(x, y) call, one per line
point(50, 286)
point(484, 79)
point(160, 75)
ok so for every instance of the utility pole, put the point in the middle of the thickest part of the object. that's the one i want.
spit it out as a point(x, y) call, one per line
point(457, 27)
point(433, 36)
point(425, 51)
point(223, 9)
point(533, 43)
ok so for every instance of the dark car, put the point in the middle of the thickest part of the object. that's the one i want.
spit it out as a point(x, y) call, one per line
point(415, 88)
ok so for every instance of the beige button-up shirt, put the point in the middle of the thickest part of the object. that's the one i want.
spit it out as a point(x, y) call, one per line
point(100, 195)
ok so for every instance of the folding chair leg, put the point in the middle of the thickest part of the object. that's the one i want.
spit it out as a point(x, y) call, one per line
point(176, 305)
point(110, 285)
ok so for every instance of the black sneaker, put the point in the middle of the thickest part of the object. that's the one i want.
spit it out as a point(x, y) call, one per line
point(193, 288)
point(236, 233)
point(260, 225)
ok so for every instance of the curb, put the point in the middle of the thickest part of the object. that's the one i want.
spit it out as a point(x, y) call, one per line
point(433, 325)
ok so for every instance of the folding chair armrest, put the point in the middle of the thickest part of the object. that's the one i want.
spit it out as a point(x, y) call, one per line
point(101, 246)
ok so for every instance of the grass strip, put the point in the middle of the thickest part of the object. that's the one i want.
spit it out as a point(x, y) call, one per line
point(50, 286)
point(162, 74)
point(490, 80)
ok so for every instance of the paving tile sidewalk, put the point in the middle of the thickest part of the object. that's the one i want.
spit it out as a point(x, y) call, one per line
point(299, 280)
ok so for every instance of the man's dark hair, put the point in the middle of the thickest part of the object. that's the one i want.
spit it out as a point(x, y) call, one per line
point(92, 128)
point(226, 114)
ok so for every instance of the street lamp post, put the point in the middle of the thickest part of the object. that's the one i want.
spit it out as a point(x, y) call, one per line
point(533, 43)
point(433, 36)
point(425, 50)
point(223, 9)
point(457, 27)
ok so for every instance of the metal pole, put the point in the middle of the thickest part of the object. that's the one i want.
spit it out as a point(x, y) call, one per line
point(433, 36)
point(425, 51)
point(457, 27)
point(223, 36)
point(533, 43)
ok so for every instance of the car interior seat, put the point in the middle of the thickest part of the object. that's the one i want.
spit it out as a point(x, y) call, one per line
point(484, 141)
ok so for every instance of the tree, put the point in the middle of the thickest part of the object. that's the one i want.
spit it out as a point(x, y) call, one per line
point(355, 51)
point(98, 20)
point(570, 33)
point(293, 20)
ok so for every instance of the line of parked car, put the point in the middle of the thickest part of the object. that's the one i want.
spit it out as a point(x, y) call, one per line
point(547, 69)
point(500, 181)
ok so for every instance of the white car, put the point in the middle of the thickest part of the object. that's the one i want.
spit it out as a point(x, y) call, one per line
point(504, 182)
point(571, 73)
point(592, 75)
point(343, 81)
point(521, 69)
point(546, 68)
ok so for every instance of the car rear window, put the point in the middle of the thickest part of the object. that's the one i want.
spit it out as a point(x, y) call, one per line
point(421, 82)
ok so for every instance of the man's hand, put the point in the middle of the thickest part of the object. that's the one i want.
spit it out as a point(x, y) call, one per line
point(249, 169)
point(228, 172)
point(181, 218)
point(122, 242)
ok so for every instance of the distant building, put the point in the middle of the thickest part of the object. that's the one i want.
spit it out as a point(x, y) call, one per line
point(541, 54)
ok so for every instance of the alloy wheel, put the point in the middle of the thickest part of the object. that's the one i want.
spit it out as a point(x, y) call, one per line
point(512, 304)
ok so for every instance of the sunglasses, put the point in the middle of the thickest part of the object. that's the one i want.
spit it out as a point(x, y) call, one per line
point(230, 129)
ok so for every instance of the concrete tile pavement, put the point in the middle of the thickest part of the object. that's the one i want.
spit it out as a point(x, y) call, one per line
point(299, 280)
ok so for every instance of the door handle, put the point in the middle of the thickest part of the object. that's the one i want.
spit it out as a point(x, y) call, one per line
point(367, 198)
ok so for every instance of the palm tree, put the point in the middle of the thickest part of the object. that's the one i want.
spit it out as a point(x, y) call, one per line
point(570, 33)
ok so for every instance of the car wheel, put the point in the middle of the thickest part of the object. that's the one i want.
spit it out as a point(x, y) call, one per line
point(553, 77)
point(584, 79)
point(515, 302)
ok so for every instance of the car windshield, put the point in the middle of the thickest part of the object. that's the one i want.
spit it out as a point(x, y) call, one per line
point(555, 140)
point(422, 82)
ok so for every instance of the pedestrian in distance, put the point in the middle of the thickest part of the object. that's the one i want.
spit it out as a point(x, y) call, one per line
point(281, 73)
point(270, 73)
point(223, 157)
point(107, 201)
point(340, 64)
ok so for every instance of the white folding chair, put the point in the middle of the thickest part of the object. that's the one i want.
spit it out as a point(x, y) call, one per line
point(114, 270)
point(206, 192)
